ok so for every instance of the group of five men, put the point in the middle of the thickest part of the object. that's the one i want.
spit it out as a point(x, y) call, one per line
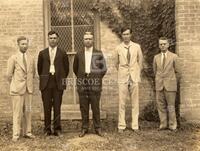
point(89, 67)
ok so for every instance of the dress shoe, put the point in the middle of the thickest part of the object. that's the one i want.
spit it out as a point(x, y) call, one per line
point(48, 133)
point(136, 130)
point(30, 136)
point(15, 139)
point(58, 133)
point(173, 130)
point(99, 132)
point(83, 132)
point(162, 128)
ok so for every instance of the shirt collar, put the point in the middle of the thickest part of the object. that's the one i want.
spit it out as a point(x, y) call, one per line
point(164, 53)
point(127, 46)
point(50, 48)
point(88, 50)
point(21, 54)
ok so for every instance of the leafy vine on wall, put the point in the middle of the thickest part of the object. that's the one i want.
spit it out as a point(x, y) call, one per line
point(148, 24)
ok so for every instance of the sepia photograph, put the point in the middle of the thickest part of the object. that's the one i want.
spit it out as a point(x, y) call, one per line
point(100, 75)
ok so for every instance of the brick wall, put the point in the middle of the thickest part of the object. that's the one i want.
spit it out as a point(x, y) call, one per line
point(25, 17)
point(188, 49)
point(18, 17)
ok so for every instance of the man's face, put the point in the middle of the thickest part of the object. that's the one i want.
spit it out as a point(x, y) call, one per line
point(23, 45)
point(88, 40)
point(53, 40)
point(126, 36)
point(163, 45)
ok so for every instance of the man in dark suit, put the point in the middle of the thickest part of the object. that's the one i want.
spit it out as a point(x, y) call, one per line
point(89, 67)
point(53, 68)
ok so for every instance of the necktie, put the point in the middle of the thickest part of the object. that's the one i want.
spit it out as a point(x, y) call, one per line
point(128, 54)
point(24, 62)
point(164, 57)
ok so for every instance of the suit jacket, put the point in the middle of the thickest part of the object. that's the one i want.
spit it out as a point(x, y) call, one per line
point(133, 69)
point(98, 70)
point(166, 77)
point(20, 79)
point(61, 68)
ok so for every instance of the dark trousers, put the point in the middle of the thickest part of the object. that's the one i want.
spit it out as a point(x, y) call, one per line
point(52, 97)
point(85, 99)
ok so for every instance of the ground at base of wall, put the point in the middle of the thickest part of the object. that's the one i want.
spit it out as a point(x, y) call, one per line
point(147, 139)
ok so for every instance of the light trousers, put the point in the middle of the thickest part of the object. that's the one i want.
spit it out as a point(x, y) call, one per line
point(166, 108)
point(128, 90)
point(21, 114)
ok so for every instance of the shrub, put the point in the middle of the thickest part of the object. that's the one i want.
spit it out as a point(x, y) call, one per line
point(150, 112)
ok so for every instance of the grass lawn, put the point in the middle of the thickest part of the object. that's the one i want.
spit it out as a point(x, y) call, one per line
point(147, 139)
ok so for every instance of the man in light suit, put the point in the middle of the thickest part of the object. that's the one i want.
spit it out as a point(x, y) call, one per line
point(53, 68)
point(89, 67)
point(20, 73)
point(165, 69)
point(129, 65)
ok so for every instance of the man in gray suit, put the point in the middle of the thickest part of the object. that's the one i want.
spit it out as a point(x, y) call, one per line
point(20, 74)
point(129, 65)
point(165, 69)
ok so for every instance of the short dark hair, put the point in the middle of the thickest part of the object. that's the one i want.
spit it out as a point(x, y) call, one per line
point(21, 38)
point(126, 28)
point(164, 38)
point(53, 32)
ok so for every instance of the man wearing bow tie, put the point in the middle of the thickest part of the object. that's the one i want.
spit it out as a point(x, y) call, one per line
point(20, 73)
point(129, 65)
point(53, 68)
point(165, 69)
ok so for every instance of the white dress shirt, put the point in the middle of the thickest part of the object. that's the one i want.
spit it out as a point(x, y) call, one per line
point(88, 58)
point(52, 54)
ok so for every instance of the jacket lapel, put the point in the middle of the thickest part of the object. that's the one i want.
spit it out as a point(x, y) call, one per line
point(92, 60)
point(124, 52)
point(130, 50)
point(159, 61)
point(20, 61)
point(47, 54)
point(83, 59)
point(57, 55)
point(167, 60)
point(28, 61)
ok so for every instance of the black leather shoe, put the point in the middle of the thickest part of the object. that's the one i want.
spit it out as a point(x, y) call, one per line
point(30, 136)
point(58, 133)
point(48, 133)
point(162, 128)
point(173, 130)
point(83, 132)
point(99, 132)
